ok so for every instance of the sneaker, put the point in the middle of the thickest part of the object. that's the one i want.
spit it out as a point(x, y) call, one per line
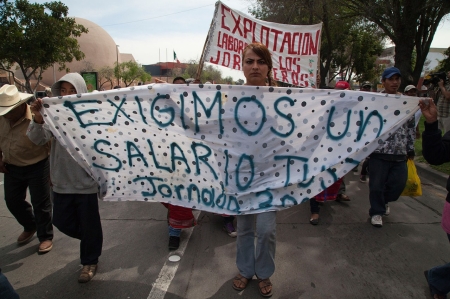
point(174, 242)
point(377, 221)
point(388, 211)
point(45, 246)
point(87, 273)
point(25, 236)
point(230, 230)
point(363, 178)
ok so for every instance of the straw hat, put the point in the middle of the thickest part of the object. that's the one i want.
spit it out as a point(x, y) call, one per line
point(10, 98)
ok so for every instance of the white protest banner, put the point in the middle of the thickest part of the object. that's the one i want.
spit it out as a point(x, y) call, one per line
point(294, 48)
point(222, 148)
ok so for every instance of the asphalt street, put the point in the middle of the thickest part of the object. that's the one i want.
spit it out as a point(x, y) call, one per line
point(343, 257)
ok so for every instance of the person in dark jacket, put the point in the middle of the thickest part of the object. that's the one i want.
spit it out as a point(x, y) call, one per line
point(436, 150)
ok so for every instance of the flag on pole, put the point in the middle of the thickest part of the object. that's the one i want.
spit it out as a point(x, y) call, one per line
point(175, 57)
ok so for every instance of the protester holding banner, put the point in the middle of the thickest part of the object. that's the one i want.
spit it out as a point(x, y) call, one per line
point(387, 164)
point(26, 167)
point(341, 196)
point(259, 261)
point(365, 86)
point(178, 217)
point(436, 150)
point(75, 203)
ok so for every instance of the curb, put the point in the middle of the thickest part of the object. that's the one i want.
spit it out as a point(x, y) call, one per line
point(424, 170)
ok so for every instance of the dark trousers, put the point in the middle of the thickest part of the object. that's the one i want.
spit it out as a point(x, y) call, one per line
point(38, 215)
point(6, 289)
point(364, 166)
point(314, 206)
point(77, 216)
point(342, 188)
point(387, 181)
point(439, 278)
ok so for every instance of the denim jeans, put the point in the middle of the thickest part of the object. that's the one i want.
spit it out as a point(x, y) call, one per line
point(259, 261)
point(342, 187)
point(77, 216)
point(174, 232)
point(364, 169)
point(6, 289)
point(387, 181)
point(38, 215)
point(439, 278)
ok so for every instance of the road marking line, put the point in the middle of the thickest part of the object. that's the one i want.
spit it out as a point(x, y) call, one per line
point(1, 183)
point(168, 271)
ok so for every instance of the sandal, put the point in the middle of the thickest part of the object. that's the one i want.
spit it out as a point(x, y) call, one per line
point(265, 287)
point(314, 221)
point(342, 197)
point(240, 282)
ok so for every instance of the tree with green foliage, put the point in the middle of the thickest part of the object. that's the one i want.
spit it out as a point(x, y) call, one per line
point(444, 64)
point(130, 71)
point(356, 60)
point(410, 24)
point(105, 75)
point(209, 73)
point(36, 36)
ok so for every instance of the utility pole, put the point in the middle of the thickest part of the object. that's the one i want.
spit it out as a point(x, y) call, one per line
point(117, 62)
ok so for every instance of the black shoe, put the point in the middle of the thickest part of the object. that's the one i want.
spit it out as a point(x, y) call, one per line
point(174, 242)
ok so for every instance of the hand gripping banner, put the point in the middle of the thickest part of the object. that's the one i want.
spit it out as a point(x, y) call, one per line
point(222, 148)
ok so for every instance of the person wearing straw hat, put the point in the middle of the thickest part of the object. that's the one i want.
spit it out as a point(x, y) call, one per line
point(25, 165)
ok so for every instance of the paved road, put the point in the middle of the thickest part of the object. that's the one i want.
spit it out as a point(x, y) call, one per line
point(343, 257)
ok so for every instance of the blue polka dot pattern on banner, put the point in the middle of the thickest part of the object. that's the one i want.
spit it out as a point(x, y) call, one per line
point(225, 149)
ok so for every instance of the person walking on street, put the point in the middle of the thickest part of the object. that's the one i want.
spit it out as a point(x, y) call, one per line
point(25, 166)
point(436, 150)
point(256, 258)
point(387, 164)
point(75, 210)
point(365, 86)
point(443, 103)
point(341, 196)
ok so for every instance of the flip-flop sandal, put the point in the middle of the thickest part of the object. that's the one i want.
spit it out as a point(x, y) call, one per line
point(242, 281)
point(314, 221)
point(263, 285)
point(342, 197)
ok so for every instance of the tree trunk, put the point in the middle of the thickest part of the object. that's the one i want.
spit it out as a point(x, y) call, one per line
point(403, 57)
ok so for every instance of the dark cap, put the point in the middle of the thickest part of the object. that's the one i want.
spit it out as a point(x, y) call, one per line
point(391, 71)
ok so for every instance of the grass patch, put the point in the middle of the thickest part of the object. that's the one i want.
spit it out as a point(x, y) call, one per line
point(445, 168)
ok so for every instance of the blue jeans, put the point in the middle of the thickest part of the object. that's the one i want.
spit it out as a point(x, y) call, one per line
point(6, 289)
point(174, 232)
point(387, 181)
point(439, 278)
point(259, 261)
point(77, 216)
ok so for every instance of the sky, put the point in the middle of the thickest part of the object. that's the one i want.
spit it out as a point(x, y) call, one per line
point(150, 29)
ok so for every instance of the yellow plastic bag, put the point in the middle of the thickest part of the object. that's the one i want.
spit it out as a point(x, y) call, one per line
point(413, 187)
